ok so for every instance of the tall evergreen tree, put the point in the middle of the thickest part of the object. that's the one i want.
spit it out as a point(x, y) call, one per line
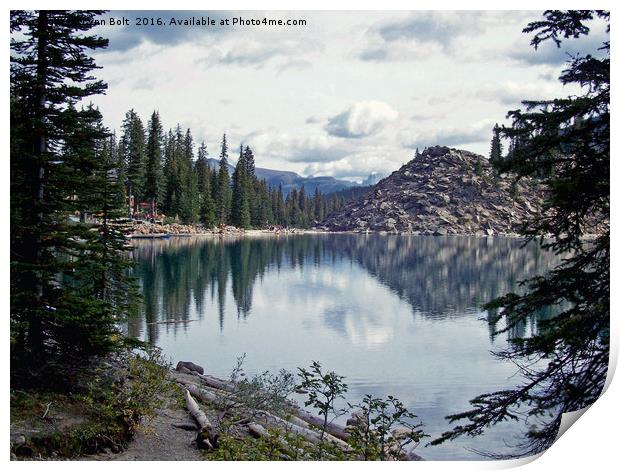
point(114, 158)
point(202, 169)
point(204, 178)
point(280, 207)
point(133, 148)
point(565, 142)
point(240, 207)
point(318, 205)
point(496, 145)
point(172, 182)
point(57, 169)
point(189, 195)
point(250, 166)
point(153, 172)
point(223, 193)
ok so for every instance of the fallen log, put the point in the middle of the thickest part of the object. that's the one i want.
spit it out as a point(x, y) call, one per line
point(205, 395)
point(294, 423)
point(216, 383)
point(312, 436)
point(333, 429)
point(205, 435)
point(257, 430)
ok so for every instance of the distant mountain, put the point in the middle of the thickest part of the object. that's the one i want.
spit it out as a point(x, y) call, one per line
point(374, 178)
point(290, 180)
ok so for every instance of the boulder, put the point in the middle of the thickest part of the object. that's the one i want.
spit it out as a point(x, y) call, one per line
point(190, 366)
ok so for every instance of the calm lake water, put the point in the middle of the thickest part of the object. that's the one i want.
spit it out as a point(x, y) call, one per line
point(396, 315)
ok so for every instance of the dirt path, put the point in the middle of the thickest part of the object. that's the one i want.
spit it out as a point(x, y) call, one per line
point(159, 440)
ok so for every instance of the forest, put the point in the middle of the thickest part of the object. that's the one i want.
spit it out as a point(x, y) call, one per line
point(164, 179)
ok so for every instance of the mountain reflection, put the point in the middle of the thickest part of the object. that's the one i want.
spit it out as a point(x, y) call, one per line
point(183, 279)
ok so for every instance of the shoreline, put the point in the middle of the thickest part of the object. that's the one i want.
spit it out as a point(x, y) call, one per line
point(264, 232)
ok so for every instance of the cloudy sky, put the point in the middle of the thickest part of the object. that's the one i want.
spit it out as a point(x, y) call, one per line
point(345, 95)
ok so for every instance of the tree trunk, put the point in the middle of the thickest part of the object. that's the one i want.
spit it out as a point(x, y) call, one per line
point(206, 435)
point(39, 148)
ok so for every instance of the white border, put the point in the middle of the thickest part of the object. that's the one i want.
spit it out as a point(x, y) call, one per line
point(588, 445)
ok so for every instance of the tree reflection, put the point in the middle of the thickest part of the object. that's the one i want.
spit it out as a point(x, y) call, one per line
point(439, 277)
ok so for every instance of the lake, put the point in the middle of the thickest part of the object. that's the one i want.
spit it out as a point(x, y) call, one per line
point(395, 314)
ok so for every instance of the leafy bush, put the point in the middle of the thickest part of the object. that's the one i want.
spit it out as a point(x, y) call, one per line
point(383, 429)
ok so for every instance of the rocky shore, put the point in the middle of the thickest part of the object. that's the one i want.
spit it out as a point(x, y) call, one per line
point(141, 229)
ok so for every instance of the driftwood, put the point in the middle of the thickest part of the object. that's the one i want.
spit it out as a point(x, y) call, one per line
point(205, 435)
point(311, 435)
point(257, 430)
point(333, 429)
point(204, 394)
point(216, 383)
point(294, 423)
point(219, 391)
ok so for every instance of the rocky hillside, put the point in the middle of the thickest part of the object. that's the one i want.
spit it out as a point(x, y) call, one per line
point(443, 191)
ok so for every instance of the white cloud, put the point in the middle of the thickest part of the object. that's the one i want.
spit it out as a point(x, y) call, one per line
point(282, 146)
point(254, 52)
point(448, 136)
point(361, 119)
point(513, 93)
point(299, 95)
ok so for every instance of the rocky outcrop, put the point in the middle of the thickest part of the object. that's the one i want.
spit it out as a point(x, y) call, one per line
point(442, 191)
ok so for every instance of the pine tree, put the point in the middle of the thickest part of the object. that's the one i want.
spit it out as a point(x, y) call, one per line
point(302, 218)
point(202, 169)
point(244, 219)
point(265, 212)
point(318, 205)
point(57, 169)
point(250, 166)
point(172, 182)
point(496, 145)
point(189, 192)
point(115, 160)
point(252, 188)
point(95, 276)
point(280, 207)
point(223, 194)
point(565, 143)
point(133, 151)
point(240, 207)
point(203, 173)
point(153, 172)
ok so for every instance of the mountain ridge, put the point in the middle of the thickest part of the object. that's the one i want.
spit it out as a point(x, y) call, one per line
point(290, 180)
